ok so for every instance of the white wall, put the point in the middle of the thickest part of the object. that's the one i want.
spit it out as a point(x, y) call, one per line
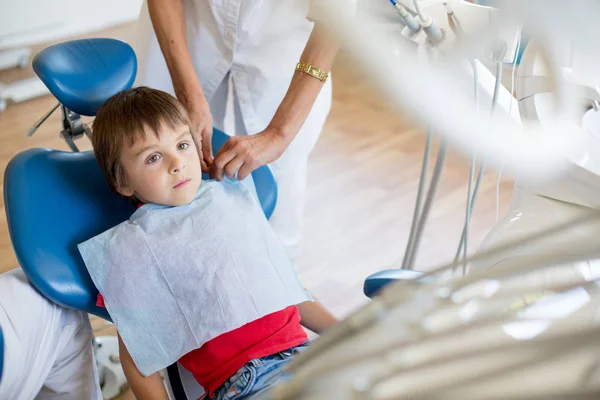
point(26, 22)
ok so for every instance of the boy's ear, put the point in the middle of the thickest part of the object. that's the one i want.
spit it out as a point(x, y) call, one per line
point(125, 190)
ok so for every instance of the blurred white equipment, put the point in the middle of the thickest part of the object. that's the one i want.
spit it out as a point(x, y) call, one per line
point(536, 205)
point(472, 33)
point(465, 338)
point(442, 32)
point(426, 82)
point(527, 328)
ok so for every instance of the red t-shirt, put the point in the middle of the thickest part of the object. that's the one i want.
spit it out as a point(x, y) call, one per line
point(218, 359)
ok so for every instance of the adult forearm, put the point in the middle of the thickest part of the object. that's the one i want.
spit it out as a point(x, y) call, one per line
point(169, 24)
point(320, 52)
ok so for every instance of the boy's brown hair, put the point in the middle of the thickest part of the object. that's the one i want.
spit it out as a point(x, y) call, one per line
point(125, 118)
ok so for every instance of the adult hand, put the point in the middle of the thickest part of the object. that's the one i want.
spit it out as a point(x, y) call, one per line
point(244, 154)
point(201, 125)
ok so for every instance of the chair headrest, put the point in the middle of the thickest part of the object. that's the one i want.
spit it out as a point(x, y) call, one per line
point(83, 74)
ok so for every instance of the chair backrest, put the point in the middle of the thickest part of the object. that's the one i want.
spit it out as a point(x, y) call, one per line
point(55, 200)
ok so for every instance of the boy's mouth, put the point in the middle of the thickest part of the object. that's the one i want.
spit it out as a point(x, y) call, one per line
point(182, 183)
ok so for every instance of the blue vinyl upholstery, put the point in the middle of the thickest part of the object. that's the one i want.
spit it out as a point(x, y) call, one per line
point(83, 74)
point(374, 283)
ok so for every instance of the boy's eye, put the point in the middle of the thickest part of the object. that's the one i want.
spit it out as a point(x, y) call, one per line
point(152, 159)
point(183, 146)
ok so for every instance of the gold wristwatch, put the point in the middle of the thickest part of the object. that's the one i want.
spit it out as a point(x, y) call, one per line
point(312, 71)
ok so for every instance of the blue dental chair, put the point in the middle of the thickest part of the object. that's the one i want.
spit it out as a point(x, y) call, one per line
point(55, 200)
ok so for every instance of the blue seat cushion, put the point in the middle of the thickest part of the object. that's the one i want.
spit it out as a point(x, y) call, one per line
point(376, 282)
point(83, 74)
point(55, 200)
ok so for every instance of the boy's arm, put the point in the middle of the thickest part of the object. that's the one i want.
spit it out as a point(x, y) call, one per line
point(144, 388)
point(315, 317)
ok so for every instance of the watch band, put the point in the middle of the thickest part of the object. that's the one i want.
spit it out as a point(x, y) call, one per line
point(312, 71)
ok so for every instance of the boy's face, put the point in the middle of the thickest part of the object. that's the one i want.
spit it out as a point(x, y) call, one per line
point(164, 170)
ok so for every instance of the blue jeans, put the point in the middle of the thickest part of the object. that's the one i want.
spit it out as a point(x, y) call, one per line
point(258, 375)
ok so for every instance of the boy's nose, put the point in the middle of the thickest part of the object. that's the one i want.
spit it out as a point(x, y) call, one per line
point(177, 165)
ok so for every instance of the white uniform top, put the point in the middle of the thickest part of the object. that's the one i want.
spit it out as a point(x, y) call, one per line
point(258, 41)
point(48, 351)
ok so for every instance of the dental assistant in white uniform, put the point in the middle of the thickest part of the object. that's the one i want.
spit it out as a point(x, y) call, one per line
point(48, 352)
point(199, 50)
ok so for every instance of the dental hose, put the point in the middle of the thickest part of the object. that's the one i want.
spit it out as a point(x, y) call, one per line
point(407, 18)
point(462, 246)
point(417, 212)
point(437, 173)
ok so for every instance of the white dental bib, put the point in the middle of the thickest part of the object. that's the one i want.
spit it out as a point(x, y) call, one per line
point(174, 278)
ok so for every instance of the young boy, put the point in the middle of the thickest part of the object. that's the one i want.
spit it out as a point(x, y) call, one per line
point(195, 273)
